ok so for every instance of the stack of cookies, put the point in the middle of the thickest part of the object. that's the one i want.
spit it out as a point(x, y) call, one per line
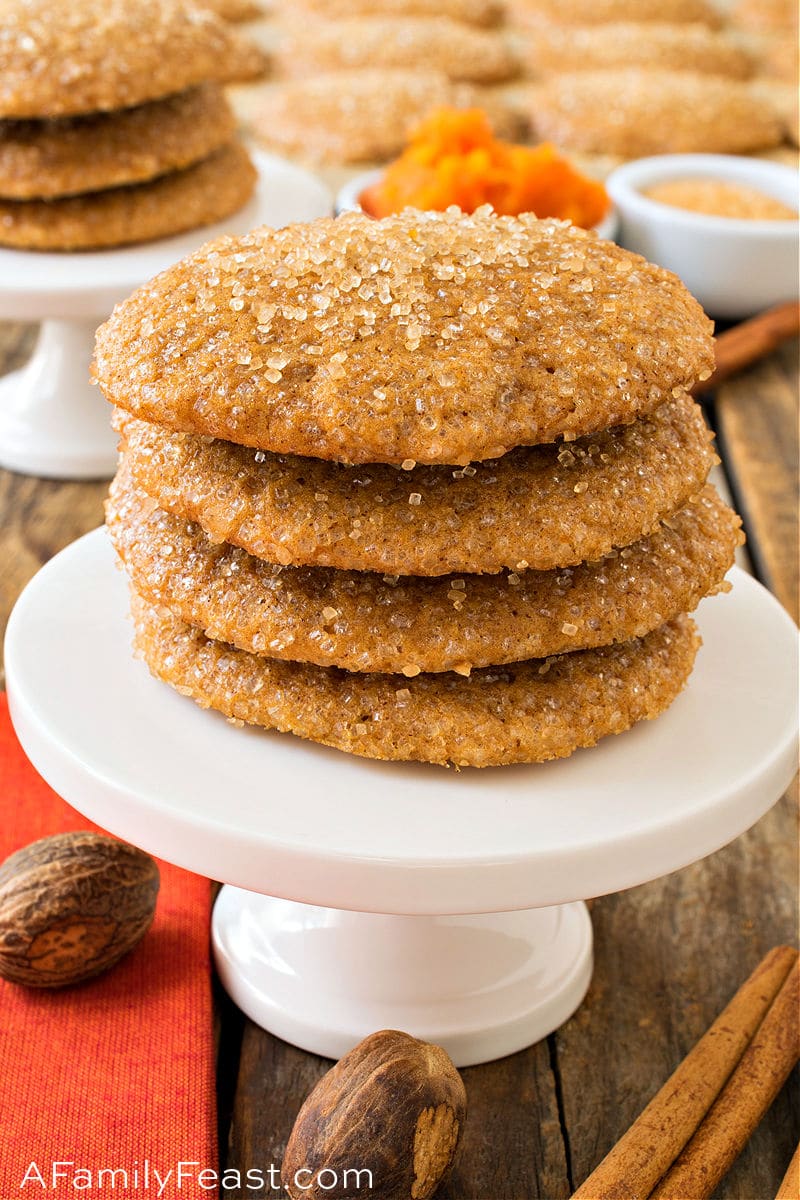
point(113, 127)
point(424, 488)
point(359, 75)
point(621, 79)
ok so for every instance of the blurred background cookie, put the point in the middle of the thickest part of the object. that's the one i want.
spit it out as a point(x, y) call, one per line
point(363, 116)
point(598, 12)
point(235, 10)
point(552, 48)
point(473, 12)
point(417, 43)
point(187, 199)
point(96, 55)
point(636, 112)
point(113, 127)
point(65, 156)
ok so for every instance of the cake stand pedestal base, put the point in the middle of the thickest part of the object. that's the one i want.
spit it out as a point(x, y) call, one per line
point(481, 986)
point(53, 422)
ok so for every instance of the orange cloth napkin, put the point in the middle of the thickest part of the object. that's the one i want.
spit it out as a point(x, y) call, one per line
point(116, 1074)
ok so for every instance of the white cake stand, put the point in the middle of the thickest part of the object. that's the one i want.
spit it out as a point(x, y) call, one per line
point(386, 858)
point(52, 421)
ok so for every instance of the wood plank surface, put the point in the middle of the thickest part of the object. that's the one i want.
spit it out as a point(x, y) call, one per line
point(38, 517)
point(668, 954)
point(756, 420)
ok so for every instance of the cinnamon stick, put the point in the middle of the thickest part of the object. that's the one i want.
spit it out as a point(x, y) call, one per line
point(744, 344)
point(762, 1072)
point(634, 1166)
point(790, 1187)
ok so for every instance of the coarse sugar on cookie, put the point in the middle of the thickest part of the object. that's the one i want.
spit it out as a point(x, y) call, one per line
point(199, 195)
point(433, 43)
point(362, 621)
point(529, 712)
point(83, 56)
point(425, 336)
point(540, 508)
point(552, 49)
point(67, 156)
point(364, 116)
point(639, 111)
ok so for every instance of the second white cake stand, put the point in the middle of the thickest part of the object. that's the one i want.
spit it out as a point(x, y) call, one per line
point(352, 877)
point(53, 423)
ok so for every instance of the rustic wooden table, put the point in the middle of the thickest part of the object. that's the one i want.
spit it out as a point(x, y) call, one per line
point(668, 955)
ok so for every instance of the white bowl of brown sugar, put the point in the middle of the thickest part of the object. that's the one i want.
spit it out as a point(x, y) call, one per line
point(727, 225)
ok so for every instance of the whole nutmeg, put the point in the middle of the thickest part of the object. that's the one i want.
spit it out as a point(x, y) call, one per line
point(393, 1107)
point(71, 905)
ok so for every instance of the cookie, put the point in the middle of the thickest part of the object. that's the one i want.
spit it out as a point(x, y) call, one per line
point(782, 97)
point(540, 508)
point(472, 12)
point(363, 116)
point(427, 337)
point(362, 621)
point(601, 12)
point(553, 49)
point(235, 10)
point(777, 59)
point(188, 199)
point(636, 112)
point(95, 55)
point(71, 155)
point(773, 16)
point(420, 43)
point(531, 712)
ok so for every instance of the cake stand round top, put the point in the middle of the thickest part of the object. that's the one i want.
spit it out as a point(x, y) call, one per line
point(35, 284)
point(274, 814)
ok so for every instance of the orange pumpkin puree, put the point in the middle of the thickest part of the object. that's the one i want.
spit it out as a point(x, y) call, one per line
point(453, 157)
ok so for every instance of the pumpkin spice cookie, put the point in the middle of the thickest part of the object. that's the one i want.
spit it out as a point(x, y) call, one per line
point(235, 10)
point(419, 43)
point(188, 199)
point(362, 621)
point(423, 337)
point(544, 507)
point(639, 111)
point(363, 116)
point(96, 55)
point(601, 12)
point(71, 155)
point(472, 12)
point(553, 49)
point(529, 712)
point(774, 16)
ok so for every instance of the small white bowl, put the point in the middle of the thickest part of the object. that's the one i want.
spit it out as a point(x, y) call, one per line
point(348, 200)
point(735, 267)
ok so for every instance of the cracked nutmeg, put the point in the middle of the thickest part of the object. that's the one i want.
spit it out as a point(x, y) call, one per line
point(71, 906)
point(393, 1107)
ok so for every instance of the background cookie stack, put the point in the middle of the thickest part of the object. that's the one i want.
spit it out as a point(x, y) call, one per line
point(607, 80)
point(503, 574)
point(113, 128)
point(355, 77)
point(623, 79)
